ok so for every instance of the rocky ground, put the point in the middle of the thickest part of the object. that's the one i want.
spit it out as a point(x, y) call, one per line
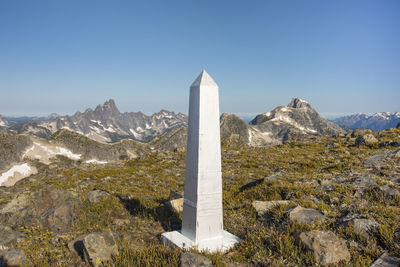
point(327, 201)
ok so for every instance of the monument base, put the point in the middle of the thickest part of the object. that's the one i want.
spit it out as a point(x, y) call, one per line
point(221, 243)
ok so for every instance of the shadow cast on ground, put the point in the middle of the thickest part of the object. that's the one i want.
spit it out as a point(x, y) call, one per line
point(168, 219)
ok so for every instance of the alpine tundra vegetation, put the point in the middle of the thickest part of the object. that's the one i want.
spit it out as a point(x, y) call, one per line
point(325, 201)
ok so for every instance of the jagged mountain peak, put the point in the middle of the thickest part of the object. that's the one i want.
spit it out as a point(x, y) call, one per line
point(298, 103)
point(108, 107)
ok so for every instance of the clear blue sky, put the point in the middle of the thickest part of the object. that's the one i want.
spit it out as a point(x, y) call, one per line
point(342, 56)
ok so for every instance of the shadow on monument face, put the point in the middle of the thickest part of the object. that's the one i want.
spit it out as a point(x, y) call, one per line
point(168, 219)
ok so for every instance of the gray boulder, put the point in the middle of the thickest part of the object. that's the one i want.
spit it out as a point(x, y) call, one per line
point(194, 260)
point(304, 215)
point(97, 195)
point(13, 257)
point(361, 225)
point(367, 140)
point(360, 132)
point(325, 246)
point(96, 248)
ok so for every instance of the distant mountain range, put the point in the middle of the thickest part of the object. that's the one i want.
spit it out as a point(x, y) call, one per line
point(377, 122)
point(104, 124)
point(85, 137)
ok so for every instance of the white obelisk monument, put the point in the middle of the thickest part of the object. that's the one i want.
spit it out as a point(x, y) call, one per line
point(202, 221)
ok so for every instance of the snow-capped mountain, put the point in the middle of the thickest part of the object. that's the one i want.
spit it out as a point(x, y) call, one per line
point(377, 122)
point(297, 119)
point(106, 124)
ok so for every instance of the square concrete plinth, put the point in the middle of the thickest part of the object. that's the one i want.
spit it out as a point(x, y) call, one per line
point(221, 243)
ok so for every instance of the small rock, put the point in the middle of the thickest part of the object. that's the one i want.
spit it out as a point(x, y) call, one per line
point(176, 205)
point(325, 246)
point(386, 260)
point(96, 248)
point(324, 181)
point(194, 260)
point(272, 177)
point(368, 140)
point(262, 207)
point(228, 179)
point(13, 257)
point(304, 215)
point(335, 201)
point(97, 195)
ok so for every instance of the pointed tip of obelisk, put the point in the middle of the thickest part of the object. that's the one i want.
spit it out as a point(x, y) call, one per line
point(204, 79)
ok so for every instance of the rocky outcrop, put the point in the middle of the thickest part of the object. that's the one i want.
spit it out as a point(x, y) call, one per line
point(12, 147)
point(90, 149)
point(173, 140)
point(49, 208)
point(325, 246)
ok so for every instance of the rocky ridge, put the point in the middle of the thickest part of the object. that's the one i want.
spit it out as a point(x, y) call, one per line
point(106, 124)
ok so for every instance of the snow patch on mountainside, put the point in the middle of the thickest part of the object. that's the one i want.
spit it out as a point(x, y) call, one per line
point(96, 161)
point(16, 173)
point(45, 152)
